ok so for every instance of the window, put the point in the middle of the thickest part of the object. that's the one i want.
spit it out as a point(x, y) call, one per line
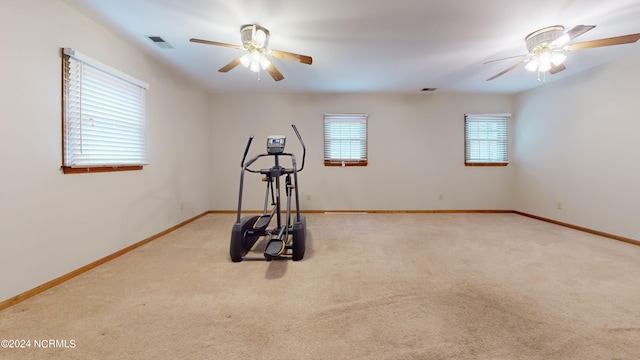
point(345, 139)
point(486, 138)
point(103, 117)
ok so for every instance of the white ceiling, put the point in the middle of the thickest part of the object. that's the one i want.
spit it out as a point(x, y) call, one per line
point(361, 46)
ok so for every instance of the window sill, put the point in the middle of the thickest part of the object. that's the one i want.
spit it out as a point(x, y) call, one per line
point(95, 169)
point(486, 164)
point(339, 163)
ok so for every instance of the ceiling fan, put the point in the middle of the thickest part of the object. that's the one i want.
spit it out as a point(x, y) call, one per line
point(255, 40)
point(547, 45)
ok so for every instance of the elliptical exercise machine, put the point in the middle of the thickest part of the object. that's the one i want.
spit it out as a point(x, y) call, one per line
point(283, 240)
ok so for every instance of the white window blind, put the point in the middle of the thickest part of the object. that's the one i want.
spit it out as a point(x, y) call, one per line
point(104, 115)
point(345, 139)
point(486, 138)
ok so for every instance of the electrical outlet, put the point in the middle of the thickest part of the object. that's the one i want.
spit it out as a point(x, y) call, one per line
point(181, 206)
point(308, 196)
point(559, 206)
point(440, 197)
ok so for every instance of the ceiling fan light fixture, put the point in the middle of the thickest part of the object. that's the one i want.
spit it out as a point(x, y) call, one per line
point(557, 58)
point(545, 60)
point(544, 67)
point(254, 60)
point(255, 66)
point(245, 60)
point(264, 62)
point(532, 65)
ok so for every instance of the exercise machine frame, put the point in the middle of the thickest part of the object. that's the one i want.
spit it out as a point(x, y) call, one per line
point(284, 240)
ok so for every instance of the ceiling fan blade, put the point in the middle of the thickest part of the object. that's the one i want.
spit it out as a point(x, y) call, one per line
point(507, 70)
point(275, 74)
point(505, 58)
point(556, 69)
point(230, 65)
point(618, 40)
point(579, 30)
point(208, 42)
point(570, 35)
point(291, 56)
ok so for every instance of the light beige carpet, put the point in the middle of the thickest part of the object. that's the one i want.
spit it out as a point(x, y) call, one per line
point(378, 286)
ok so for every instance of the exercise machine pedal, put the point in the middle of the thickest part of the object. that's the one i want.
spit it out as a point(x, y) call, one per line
point(274, 248)
point(262, 222)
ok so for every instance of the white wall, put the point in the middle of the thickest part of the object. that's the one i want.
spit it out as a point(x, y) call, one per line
point(576, 142)
point(416, 151)
point(50, 223)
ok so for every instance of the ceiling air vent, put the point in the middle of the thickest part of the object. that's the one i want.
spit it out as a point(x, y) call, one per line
point(160, 42)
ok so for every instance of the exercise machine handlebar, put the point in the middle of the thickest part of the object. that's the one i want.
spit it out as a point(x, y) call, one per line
point(246, 150)
point(304, 150)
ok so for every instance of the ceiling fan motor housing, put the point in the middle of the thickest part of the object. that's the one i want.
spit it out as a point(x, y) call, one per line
point(543, 37)
point(254, 37)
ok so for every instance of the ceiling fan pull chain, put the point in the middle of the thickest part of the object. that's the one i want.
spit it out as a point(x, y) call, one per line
point(543, 78)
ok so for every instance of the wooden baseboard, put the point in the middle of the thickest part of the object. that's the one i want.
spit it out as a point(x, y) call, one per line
point(410, 211)
point(575, 227)
point(372, 211)
point(59, 280)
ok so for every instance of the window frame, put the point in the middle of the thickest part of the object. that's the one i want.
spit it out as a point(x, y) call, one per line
point(348, 117)
point(503, 143)
point(69, 55)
